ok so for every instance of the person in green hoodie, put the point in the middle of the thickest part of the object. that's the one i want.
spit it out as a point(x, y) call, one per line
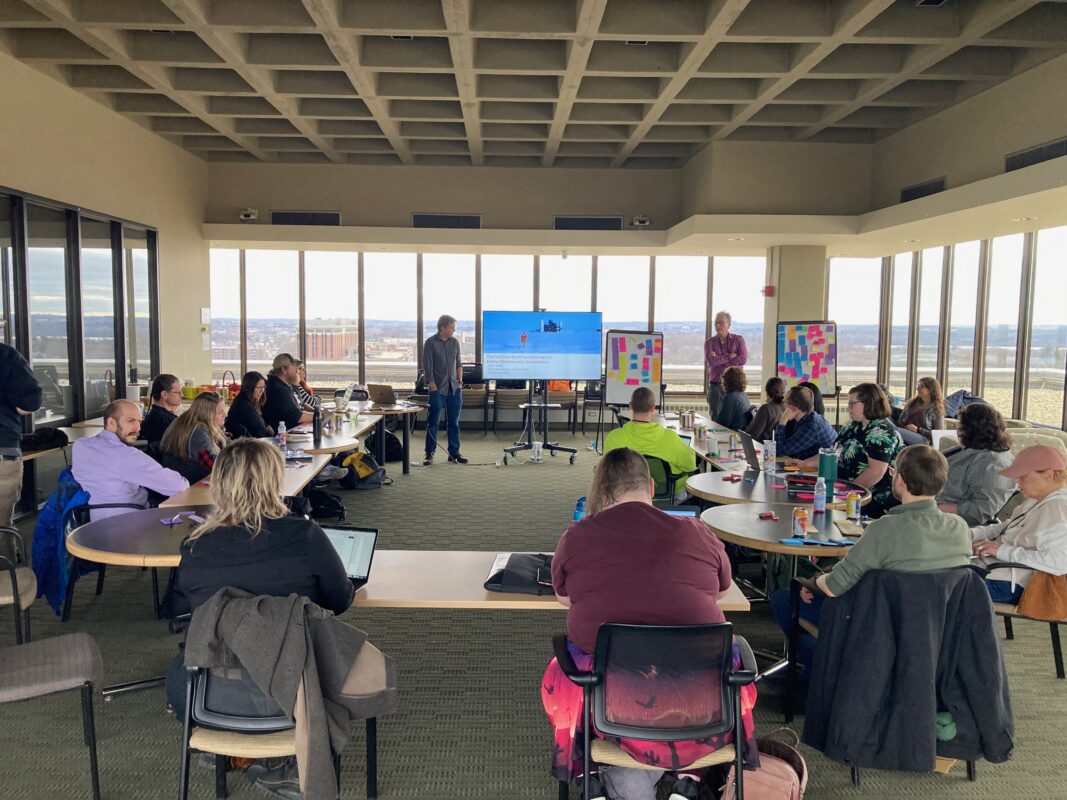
point(649, 438)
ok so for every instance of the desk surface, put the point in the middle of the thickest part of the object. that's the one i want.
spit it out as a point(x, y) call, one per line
point(759, 487)
point(454, 579)
point(137, 539)
point(740, 524)
point(297, 476)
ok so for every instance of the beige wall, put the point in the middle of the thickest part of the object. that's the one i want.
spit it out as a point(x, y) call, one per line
point(968, 141)
point(61, 145)
point(777, 178)
point(799, 276)
point(507, 198)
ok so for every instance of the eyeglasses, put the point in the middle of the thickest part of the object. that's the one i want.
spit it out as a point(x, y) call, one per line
point(855, 403)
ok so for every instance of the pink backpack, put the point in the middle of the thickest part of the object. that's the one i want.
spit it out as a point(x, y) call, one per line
point(782, 774)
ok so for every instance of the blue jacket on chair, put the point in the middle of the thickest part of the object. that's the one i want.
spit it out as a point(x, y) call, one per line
point(50, 559)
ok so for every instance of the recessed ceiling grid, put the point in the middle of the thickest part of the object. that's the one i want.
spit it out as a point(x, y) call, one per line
point(589, 83)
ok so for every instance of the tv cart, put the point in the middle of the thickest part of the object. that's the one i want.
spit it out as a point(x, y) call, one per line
point(541, 407)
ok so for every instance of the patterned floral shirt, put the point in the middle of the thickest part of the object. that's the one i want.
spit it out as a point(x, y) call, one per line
point(878, 440)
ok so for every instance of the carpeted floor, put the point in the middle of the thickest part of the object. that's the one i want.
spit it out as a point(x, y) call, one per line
point(470, 723)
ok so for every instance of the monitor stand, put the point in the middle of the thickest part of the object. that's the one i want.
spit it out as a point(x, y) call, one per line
point(541, 408)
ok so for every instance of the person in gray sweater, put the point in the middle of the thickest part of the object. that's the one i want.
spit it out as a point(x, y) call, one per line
point(976, 490)
point(735, 404)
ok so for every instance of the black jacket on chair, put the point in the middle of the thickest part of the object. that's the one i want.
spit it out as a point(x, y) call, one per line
point(893, 651)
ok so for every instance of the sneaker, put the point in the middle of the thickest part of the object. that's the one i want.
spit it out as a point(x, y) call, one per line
point(428, 461)
point(596, 788)
point(457, 458)
point(330, 473)
point(281, 781)
point(684, 789)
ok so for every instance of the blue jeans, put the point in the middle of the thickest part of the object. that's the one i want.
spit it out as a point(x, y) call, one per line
point(1001, 592)
point(451, 403)
point(783, 615)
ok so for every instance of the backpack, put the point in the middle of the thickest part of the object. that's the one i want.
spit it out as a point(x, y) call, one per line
point(955, 402)
point(394, 451)
point(782, 773)
point(363, 473)
point(325, 505)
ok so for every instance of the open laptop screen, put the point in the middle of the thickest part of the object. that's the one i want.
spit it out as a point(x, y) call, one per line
point(355, 546)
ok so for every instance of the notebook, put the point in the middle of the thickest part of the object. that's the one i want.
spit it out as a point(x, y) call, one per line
point(355, 546)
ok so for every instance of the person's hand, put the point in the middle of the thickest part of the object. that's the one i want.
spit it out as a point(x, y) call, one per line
point(912, 428)
point(806, 595)
point(433, 386)
point(788, 415)
point(792, 462)
point(986, 548)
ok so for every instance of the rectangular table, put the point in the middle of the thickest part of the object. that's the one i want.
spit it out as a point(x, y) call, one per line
point(453, 579)
point(297, 476)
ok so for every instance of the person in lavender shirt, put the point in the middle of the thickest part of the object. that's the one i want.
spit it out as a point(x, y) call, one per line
point(722, 350)
point(111, 470)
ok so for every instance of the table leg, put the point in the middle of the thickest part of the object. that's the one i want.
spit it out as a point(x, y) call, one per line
point(407, 442)
point(381, 442)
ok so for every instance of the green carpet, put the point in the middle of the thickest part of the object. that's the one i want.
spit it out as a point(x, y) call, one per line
point(470, 723)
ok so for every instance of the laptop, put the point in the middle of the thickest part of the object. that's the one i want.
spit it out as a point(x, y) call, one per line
point(751, 456)
point(381, 394)
point(355, 546)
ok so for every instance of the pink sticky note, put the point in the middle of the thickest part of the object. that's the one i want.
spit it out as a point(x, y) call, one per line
point(778, 486)
point(805, 496)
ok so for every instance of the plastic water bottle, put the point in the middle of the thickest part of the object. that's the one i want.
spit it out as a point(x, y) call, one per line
point(820, 496)
point(579, 509)
point(281, 433)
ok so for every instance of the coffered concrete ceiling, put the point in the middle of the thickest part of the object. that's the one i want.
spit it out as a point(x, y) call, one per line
point(589, 83)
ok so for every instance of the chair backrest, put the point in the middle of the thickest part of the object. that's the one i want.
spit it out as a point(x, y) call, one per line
point(475, 396)
point(663, 683)
point(660, 471)
point(228, 700)
point(566, 399)
point(510, 398)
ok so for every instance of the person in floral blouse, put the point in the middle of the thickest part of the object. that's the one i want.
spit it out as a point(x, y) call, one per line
point(868, 446)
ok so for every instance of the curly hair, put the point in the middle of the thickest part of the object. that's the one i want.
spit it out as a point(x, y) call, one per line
point(981, 427)
point(734, 380)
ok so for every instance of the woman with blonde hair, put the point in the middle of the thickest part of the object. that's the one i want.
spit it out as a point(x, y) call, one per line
point(196, 437)
point(680, 568)
point(249, 541)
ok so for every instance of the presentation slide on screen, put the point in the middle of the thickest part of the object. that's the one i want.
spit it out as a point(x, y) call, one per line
point(526, 345)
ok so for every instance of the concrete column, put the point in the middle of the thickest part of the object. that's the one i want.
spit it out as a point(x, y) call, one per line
point(799, 276)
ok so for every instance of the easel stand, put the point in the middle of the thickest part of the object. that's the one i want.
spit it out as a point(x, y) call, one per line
point(600, 435)
point(837, 402)
point(540, 422)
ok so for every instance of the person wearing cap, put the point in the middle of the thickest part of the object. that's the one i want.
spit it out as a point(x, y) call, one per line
point(281, 404)
point(1036, 533)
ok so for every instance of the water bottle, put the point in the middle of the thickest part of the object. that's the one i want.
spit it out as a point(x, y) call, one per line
point(281, 433)
point(579, 509)
point(316, 425)
point(820, 496)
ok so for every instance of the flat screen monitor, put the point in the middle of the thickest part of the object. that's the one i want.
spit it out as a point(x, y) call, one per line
point(527, 345)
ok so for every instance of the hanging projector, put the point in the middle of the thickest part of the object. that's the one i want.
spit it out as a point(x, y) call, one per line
point(249, 214)
point(640, 221)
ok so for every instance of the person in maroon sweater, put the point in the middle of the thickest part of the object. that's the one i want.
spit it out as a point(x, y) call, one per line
point(629, 562)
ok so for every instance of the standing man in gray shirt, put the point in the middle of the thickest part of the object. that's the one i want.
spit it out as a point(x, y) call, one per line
point(444, 378)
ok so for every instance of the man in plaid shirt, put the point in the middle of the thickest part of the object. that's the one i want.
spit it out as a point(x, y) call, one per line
point(722, 350)
point(802, 432)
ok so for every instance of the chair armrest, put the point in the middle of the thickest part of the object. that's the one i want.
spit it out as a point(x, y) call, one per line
point(747, 674)
point(566, 663)
point(20, 543)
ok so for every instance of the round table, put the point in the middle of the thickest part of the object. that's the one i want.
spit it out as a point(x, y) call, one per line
point(740, 524)
point(136, 539)
point(759, 487)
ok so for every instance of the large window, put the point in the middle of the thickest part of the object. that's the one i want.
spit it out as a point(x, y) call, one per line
point(1002, 329)
point(566, 283)
point(622, 292)
point(98, 315)
point(965, 262)
point(225, 312)
point(448, 288)
point(857, 323)
point(138, 304)
point(390, 304)
point(900, 318)
point(46, 231)
point(933, 261)
point(1048, 343)
point(735, 288)
point(681, 315)
point(272, 303)
point(507, 283)
point(331, 313)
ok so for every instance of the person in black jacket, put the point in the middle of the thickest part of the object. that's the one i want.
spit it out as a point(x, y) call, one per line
point(20, 395)
point(281, 404)
point(250, 542)
point(245, 417)
point(166, 395)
